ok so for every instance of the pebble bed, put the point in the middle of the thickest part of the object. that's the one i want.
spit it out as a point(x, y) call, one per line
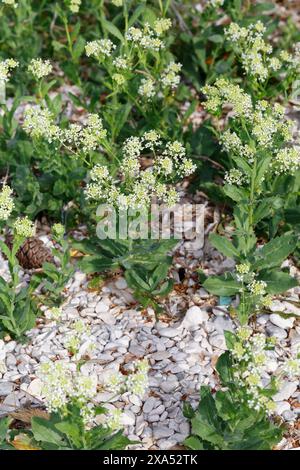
point(182, 349)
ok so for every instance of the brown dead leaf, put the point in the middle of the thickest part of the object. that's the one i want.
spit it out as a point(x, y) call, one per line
point(25, 414)
point(23, 442)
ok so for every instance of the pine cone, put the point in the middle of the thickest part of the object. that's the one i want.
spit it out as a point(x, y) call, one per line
point(32, 254)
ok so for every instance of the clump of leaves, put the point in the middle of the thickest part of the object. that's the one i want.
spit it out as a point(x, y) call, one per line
point(52, 280)
point(261, 268)
point(146, 264)
point(17, 308)
point(225, 421)
point(60, 432)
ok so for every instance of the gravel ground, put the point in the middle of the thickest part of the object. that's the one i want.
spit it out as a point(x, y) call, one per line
point(182, 349)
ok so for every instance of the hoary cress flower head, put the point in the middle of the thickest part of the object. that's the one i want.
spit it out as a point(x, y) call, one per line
point(136, 186)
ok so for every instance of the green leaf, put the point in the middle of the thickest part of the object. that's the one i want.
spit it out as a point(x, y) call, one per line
point(275, 252)
point(224, 368)
point(112, 29)
point(223, 245)
point(205, 423)
point(220, 285)
point(194, 443)
point(43, 431)
point(278, 281)
point(236, 194)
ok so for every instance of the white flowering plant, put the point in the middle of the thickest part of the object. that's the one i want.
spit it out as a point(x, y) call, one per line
point(229, 418)
point(260, 147)
point(17, 308)
point(61, 432)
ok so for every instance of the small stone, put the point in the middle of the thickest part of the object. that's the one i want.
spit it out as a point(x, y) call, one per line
point(273, 330)
point(6, 388)
point(282, 406)
point(149, 404)
point(222, 324)
point(35, 388)
point(194, 317)
point(121, 283)
point(168, 332)
point(101, 307)
point(128, 418)
point(217, 341)
point(281, 322)
point(107, 318)
point(162, 431)
point(169, 385)
point(286, 391)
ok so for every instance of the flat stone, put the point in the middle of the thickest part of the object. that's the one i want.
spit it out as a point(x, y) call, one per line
point(168, 332)
point(6, 388)
point(194, 317)
point(286, 391)
point(282, 406)
point(121, 283)
point(281, 322)
point(162, 431)
point(169, 385)
point(101, 307)
point(107, 317)
point(217, 341)
point(273, 330)
point(149, 404)
point(35, 388)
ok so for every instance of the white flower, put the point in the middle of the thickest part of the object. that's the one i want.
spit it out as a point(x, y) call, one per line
point(39, 68)
point(234, 176)
point(117, 3)
point(75, 6)
point(24, 227)
point(121, 63)
point(11, 3)
point(39, 123)
point(170, 77)
point(257, 287)
point(147, 88)
point(162, 25)
point(5, 68)
point(287, 161)
point(100, 48)
point(54, 313)
point(6, 202)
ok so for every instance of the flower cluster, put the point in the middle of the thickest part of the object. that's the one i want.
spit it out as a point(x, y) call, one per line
point(79, 333)
point(266, 125)
point(6, 202)
point(136, 185)
point(74, 5)
point(117, 3)
point(100, 48)
point(147, 38)
point(136, 383)
point(58, 230)
point(39, 123)
point(214, 3)
point(224, 92)
point(170, 77)
point(54, 313)
point(39, 68)
point(254, 52)
point(5, 68)
point(23, 227)
point(250, 368)
point(62, 383)
point(235, 177)
point(11, 3)
point(252, 353)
